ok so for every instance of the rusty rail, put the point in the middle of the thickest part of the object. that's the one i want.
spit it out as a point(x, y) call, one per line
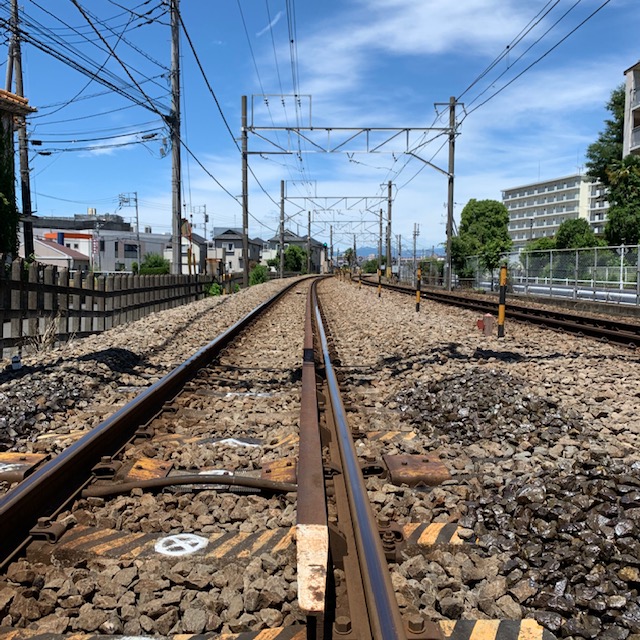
point(312, 532)
point(51, 487)
point(385, 620)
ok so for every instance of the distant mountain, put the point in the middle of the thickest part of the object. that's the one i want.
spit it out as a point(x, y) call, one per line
point(364, 252)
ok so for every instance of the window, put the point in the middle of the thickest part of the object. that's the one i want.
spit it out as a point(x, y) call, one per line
point(130, 250)
point(230, 246)
point(115, 247)
point(101, 245)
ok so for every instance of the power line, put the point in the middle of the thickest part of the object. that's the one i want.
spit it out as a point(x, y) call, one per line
point(509, 48)
point(544, 55)
point(115, 56)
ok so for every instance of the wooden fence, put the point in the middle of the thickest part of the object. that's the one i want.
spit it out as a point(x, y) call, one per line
point(38, 301)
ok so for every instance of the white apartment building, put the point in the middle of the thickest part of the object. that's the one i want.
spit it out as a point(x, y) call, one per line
point(631, 137)
point(538, 209)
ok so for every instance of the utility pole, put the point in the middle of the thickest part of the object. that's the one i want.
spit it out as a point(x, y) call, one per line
point(389, 201)
point(174, 126)
point(23, 149)
point(380, 245)
point(245, 198)
point(399, 239)
point(355, 252)
point(282, 228)
point(308, 241)
point(331, 247)
point(452, 146)
point(416, 233)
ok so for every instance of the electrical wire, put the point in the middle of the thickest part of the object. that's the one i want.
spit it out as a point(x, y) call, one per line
point(537, 60)
point(516, 40)
point(115, 56)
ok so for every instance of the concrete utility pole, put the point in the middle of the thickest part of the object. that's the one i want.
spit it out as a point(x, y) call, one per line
point(174, 125)
point(245, 198)
point(416, 233)
point(389, 202)
point(355, 252)
point(331, 247)
point(308, 241)
point(282, 228)
point(23, 148)
point(452, 146)
point(380, 245)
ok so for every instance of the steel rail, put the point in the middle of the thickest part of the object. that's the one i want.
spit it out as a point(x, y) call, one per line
point(619, 332)
point(384, 615)
point(52, 486)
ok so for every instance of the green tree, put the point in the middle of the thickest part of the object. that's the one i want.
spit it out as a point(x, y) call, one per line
point(541, 244)
point(370, 266)
point(295, 259)
point(349, 256)
point(575, 234)
point(258, 275)
point(623, 218)
point(607, 150)
point(432, 270)
point(154, 264)
point(483, 232)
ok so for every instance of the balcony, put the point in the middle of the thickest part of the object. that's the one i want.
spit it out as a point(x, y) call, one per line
point(635, 139)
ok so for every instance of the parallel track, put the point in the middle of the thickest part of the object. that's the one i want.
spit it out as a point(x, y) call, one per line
point(606, 329)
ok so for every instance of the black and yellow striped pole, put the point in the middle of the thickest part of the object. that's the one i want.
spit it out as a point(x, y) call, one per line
point(502, 300)
point(418, 278)
point(360, 278)
point(379, 281)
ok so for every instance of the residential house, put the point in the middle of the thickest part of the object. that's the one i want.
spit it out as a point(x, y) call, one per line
point(226, 248)
point(318, 249)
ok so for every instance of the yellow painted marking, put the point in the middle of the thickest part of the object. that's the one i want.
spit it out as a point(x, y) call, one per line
point(430, 534)
point(485, 630)
point(286, 542)
point(223, 549)
point(530, 630)
point(409, 529)
point(262, 539)
point(87, 538)
point(447, 627)
point(455, 538)
point(105, 547)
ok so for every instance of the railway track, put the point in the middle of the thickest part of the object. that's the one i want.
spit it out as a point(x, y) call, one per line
point(601, 328)
point(195, 510)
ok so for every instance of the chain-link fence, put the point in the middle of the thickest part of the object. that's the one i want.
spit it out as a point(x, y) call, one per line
point(608, 274)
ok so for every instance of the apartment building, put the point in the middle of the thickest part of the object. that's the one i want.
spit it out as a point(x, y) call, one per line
point(631, 137)
point(538, 209)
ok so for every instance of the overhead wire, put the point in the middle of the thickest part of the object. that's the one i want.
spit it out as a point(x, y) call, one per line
point(537, 60)
point(117, 58)
point(217, 102)
point(515, 41)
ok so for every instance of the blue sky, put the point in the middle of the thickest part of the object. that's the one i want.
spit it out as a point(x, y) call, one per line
point(364, 63)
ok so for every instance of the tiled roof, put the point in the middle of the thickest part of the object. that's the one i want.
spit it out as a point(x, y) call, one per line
point(12, 103)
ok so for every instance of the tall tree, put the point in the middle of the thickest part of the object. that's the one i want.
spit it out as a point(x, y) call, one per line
point(575, 234)
point(623, 218)
point(607, 150)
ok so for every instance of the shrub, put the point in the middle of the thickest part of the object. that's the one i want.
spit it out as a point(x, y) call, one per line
point(258, 275)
